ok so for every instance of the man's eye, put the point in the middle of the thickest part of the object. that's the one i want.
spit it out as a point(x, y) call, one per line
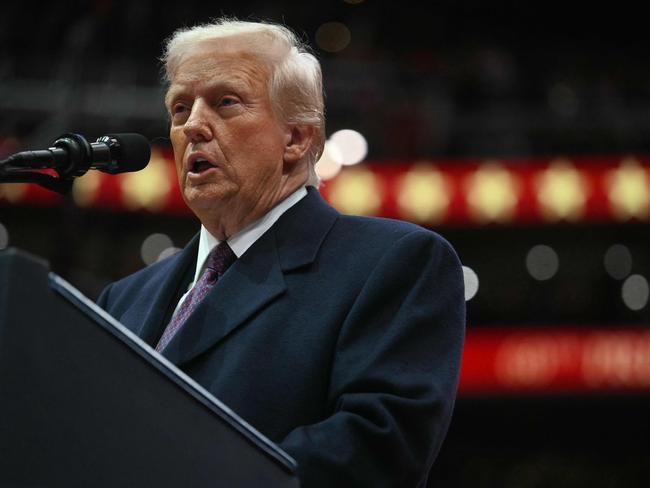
point(228, 101)
point(178, 109)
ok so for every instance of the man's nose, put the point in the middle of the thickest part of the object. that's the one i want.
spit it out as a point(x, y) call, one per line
point(197, 126)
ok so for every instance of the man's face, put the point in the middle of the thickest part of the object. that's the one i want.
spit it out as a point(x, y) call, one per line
point(228, 143)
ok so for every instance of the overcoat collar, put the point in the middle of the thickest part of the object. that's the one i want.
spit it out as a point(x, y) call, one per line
point(253, 281)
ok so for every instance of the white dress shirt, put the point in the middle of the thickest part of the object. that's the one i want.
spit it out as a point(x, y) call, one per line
point(243, 239)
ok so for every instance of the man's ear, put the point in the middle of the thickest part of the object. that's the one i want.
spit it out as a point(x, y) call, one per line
point(299, 138)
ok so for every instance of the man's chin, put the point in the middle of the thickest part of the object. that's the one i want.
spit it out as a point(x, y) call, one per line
point(200, 200)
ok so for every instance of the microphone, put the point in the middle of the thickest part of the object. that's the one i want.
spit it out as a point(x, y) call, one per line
point(71, 155)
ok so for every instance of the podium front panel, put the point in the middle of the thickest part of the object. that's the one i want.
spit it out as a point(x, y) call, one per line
point(84, 402)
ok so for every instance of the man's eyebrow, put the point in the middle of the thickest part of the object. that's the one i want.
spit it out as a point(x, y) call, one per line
point(235, 84)
point(174, 92)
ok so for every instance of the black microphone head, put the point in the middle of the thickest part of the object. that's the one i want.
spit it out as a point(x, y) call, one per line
point(132, 152)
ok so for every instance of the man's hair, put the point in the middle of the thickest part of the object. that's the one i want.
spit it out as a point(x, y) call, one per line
point(295, 83)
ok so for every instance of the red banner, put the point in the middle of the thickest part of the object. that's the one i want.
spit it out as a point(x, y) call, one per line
point(429, 192)
point(555, 360)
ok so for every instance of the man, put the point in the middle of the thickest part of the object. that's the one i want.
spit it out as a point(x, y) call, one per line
point(337, 337)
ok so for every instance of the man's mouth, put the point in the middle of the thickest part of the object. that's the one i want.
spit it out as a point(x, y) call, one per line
point(201, 165)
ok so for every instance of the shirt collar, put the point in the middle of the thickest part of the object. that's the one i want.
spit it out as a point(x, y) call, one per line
point(245, 238)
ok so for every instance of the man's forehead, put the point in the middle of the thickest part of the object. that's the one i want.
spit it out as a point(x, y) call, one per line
point(204, 65)
point(213, 55)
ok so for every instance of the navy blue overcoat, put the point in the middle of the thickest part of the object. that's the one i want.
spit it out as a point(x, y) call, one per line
point(338, 337)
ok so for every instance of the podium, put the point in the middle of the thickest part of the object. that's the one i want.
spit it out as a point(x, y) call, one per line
point(84, 402)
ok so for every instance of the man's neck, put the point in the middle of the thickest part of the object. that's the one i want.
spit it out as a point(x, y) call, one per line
point(247, 236)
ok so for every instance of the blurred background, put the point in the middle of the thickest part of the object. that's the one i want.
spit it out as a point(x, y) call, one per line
point(519, 131)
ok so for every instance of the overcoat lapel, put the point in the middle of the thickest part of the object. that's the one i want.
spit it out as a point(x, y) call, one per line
point(255, 279)
point(251, 282)
point(164, 291)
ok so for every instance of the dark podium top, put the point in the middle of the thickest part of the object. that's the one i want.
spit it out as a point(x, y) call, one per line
point(85, 402)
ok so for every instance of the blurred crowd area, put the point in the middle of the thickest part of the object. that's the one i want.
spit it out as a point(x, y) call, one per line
point(442, 80)
point(449, 78)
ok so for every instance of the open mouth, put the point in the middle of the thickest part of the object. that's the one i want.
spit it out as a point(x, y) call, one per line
point(201, 165)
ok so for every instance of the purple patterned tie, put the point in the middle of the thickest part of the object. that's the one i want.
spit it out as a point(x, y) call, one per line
point(219, 259)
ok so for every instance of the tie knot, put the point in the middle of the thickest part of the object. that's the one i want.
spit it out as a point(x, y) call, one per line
point(219, 260)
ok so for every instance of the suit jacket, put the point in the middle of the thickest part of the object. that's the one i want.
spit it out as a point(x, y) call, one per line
point(338, 337)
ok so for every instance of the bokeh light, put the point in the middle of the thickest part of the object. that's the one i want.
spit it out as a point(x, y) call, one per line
point(562, 191)
point(471, 283)
point(635, 292)
point(351, 144)
point(329, 164)
point(357, 191)
point(542, 262)
point(618, 261)
point(170, 251)
point(333, 36)
point(628, 190)
point(492, 193)
point(4, 237)
point(153, 246)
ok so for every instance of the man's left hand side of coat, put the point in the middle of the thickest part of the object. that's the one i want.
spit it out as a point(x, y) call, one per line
point(394, 373)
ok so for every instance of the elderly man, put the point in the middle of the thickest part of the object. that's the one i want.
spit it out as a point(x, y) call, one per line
point(338, 337)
